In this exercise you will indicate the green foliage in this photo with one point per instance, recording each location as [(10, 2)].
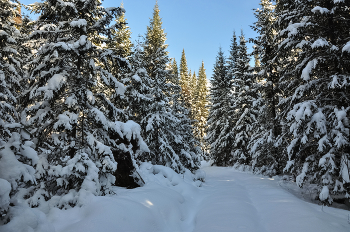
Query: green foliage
[(201, 101), (120, 41)]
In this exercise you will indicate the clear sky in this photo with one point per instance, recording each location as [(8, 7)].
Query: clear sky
[(198, 26)]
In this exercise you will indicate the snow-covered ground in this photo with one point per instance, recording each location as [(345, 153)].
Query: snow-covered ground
[(229, 200)]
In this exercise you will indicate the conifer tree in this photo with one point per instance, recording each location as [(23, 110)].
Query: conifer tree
[(17, 157), (120, 40), (161, 124), (201, 101), (175, 72), (68, 108), (138, 86), (193, 85), (232, 60), (244, 115), (217, 119), (315, 105), (185, 79), (226, 137), (266, 157)]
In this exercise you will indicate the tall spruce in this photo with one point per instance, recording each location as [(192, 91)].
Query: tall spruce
[(68, 109), (218, 119), (175, 72), (17, 156), (185, 79), (244, 115), (120, 40), (266, 157), (316, 101), (161, 125), (200, 107)]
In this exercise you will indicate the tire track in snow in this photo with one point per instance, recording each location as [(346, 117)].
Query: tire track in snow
[(237, 201), (226, 205)]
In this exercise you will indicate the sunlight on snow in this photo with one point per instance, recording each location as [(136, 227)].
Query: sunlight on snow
[(148, 203)]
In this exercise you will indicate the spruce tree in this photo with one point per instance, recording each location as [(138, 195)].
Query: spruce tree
[(138, 86), (175, 72), (185, 79), (315, 82), (120, 40), (17, 157), (244, 115), (266, 157), (161, 123), (232, 60), (193, 85), (201, 101), (68, 106), (217, 120)]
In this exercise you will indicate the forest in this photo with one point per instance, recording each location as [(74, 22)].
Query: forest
[(84, 110)]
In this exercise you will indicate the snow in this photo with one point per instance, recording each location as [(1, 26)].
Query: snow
[(346, 48), (78, 23), (320, 9), (25, 219), (136, 78), (324, 194), (11, 169), (321, 42), (53, 83), (5, 188), (228, 200), (345, 172)]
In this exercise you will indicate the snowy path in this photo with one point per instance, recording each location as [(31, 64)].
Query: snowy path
[(229, 200), (236, 201)]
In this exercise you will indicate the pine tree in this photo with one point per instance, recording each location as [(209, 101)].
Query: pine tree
[(185, 79), (244, 115), (175, 73), (315, 103), (266, 157), (201, 101), (217, 120), (138, 87), (120, 40), (226, 136), (193, 85), (17, 157), (68, 108), (161, 123), (232, 60)]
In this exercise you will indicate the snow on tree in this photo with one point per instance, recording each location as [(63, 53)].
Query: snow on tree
[(200, 108), (185, 81), (244, 115), (138, 86), (17, 156), (175, 72), (316, 100), (120, 40), (69, 111), (162, 127), (266, 157), (218, 119)]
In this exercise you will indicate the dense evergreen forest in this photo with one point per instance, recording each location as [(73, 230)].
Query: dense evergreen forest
[(82, 106)]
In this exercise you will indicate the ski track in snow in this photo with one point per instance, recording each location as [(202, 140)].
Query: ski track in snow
[(228, 201), (238, 201)]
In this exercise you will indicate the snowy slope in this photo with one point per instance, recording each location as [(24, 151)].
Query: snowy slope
[(229, 200)]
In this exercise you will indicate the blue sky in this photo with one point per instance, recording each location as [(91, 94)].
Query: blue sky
[(198, 26)]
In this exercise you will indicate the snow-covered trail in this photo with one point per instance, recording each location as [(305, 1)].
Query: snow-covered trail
[(229, 200), (236, 201)]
